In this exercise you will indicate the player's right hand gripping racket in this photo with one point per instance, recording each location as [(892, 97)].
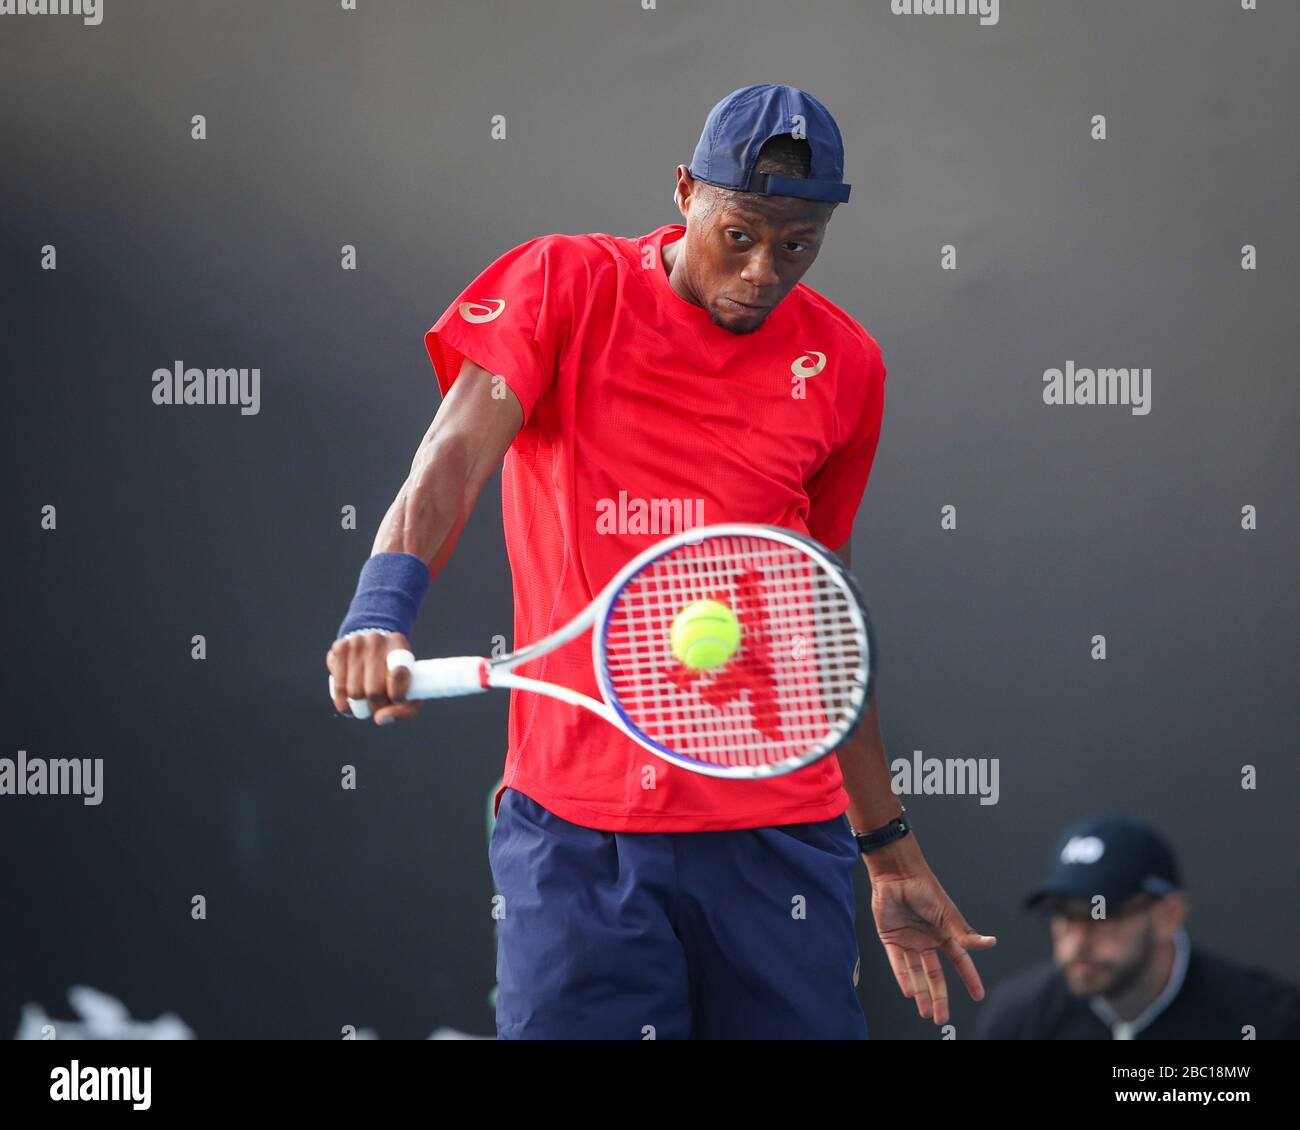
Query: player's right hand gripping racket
[(793, 689)]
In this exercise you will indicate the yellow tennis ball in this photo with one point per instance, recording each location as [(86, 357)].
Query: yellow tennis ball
[(705, 634)]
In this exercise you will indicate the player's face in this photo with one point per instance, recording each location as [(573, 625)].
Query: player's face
[(1105, 956), (746, 255)]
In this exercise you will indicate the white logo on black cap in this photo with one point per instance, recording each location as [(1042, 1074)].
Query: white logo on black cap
[(1083, 849)]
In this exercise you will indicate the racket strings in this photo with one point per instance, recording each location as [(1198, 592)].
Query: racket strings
[(791, 690)]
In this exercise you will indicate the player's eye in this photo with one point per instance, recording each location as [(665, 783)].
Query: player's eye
[(739, 234), (797, 246)]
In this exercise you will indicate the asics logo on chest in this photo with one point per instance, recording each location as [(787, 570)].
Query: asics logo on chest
[(808, 364)]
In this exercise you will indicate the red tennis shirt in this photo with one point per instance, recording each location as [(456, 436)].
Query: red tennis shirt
[(642, 418)]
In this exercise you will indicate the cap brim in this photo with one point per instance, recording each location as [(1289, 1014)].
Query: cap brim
[(1035, 899), (1048, 892)]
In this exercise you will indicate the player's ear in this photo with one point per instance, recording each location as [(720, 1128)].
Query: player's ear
[(687, 191), (678, 199), (1174, 909)]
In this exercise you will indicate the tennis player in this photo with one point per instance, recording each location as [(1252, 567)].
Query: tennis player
[(633, 386)]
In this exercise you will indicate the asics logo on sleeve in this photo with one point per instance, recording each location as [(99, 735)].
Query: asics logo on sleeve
[(800, 367), (482, 311)]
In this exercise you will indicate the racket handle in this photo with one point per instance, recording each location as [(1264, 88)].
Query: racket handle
[(448, 678), (431, 678)]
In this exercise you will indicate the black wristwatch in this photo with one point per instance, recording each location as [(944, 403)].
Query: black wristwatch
[(896, 829)]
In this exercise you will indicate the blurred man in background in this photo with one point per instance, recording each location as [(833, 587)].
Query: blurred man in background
[(1123, 967)]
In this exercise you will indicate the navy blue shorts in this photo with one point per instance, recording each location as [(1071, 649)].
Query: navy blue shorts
[(686, 935)]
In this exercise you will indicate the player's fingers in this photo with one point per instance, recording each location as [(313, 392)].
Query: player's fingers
[(347, 684), (375, 665), (937, 985), (920, 988), (970, 938), (399, 660), (965, 966), (399, 712), (339, 678), (898, 963), (339, 697)]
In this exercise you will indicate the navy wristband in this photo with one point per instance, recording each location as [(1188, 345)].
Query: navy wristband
[(388, 596)]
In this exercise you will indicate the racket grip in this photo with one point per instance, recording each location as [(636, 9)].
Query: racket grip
[(448, 678)]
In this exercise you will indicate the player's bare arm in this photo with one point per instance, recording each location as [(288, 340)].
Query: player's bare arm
[(914, 916), (464, 445)]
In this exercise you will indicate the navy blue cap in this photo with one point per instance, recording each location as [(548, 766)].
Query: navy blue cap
[(739, 125), (1114, 856)]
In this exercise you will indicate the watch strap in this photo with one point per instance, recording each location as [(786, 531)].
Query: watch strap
[(896, 829)]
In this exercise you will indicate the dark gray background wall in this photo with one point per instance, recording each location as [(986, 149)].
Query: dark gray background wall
[(329, 127)]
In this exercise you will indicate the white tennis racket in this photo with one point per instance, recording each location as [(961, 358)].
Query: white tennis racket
[(792, 691)]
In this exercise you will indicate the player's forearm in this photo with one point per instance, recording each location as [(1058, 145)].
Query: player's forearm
[(872, 802), (435, 502)]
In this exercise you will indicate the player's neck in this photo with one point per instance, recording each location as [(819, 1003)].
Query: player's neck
[(671, 254)]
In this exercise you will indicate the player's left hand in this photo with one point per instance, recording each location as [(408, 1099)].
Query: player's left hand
[(916, 919)]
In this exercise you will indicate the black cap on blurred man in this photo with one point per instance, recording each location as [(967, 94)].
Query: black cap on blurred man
[(1122, 965)]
